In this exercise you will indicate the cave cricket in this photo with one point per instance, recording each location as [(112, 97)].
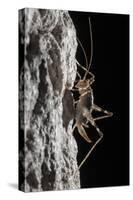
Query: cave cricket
[(85, 105)]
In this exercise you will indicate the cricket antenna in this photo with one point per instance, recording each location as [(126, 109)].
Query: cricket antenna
[(86, 60), (91, 55)]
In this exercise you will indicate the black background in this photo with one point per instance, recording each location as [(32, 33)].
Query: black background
[(108, 165)]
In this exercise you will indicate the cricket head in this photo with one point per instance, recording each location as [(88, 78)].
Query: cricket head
[(83, 84)]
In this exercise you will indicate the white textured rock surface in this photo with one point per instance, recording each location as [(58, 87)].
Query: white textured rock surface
[(47, 147)]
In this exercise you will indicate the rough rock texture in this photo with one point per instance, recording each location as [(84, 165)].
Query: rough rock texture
[(47, 148)]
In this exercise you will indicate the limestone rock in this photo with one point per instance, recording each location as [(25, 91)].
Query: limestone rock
[(47, 70)]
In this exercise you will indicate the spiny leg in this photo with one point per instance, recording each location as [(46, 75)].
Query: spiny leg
[(83, 133), (95, 144), (97, 108)]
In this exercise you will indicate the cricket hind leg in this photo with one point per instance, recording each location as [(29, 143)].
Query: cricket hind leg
[(99, 109), (95, 144), (83, 133)]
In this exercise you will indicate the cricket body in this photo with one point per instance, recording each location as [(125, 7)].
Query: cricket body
[(85, 105)]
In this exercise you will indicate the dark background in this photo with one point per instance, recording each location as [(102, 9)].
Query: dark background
[(108, 165)]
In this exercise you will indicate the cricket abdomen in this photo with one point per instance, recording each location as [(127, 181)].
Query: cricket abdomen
[(84, 105)]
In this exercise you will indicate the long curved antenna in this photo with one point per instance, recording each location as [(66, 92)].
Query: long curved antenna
[(91, 56), (86, 60)]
